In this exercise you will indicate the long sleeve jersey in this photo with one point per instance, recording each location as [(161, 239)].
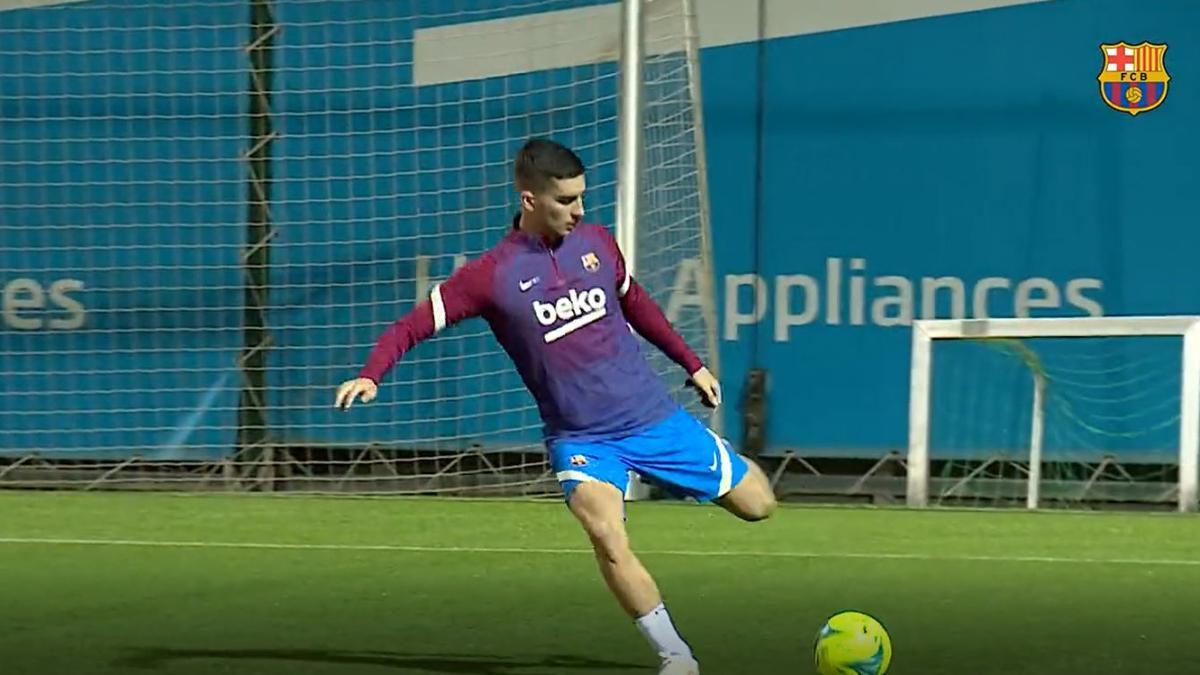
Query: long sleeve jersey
[(563, 313)]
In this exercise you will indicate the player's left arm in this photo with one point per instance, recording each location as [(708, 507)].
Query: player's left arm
[(647, 318)]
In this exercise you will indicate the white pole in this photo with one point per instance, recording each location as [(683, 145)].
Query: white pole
[(629, 151), (1036, 433), (1189, 420), (918, 416), (691, 52), (629, 159)]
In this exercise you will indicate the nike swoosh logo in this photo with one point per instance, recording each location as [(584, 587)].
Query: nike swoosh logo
[(714, 464), (527, 284)]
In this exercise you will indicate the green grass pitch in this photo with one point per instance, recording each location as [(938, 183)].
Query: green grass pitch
[(105, 583)]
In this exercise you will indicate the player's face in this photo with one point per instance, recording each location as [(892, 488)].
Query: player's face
[(560, 206)]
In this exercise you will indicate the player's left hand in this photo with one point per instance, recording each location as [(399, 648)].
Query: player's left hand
[(707, 386)]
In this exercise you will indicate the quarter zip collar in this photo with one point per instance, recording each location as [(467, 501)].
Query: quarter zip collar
[(532, 241)]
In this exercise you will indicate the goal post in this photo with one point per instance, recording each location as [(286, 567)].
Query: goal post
[(925, 333)]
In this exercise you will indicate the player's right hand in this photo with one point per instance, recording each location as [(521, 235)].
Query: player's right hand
[(359, 387)]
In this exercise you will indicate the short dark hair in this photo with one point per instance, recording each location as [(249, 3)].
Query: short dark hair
[(541, 160)]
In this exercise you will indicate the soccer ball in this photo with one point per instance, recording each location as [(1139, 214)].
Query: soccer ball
[(853, 643)]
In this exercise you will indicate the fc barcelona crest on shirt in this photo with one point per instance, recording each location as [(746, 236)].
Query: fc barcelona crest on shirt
[(1133, 78), (590, 262)]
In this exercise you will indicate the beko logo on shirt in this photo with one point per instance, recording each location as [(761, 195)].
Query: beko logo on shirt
[(577, 308)]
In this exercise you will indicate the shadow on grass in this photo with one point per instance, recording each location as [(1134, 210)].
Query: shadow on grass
[(482, 664)]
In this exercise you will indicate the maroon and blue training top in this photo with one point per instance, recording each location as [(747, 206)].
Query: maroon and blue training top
[(563, 313)]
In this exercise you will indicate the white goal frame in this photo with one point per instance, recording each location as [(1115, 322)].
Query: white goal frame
[(925, 331)]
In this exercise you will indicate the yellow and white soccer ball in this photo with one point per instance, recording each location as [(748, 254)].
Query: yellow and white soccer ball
[(853, 643)]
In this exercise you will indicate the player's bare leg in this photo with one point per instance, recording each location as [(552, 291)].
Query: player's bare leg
[(752, 499), (600, 508)]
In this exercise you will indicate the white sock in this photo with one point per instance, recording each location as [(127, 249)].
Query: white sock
[(661, 633)]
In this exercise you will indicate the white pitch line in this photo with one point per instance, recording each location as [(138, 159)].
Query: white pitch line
[(815, 555)]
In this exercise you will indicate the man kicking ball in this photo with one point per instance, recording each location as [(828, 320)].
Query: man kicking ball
[(555, 293)]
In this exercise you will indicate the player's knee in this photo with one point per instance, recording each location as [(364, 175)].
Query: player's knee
[(750, 505), (755, 499), (609, 540), (760, 508), (599, 508)]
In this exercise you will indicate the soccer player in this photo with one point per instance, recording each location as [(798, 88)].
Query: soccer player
[(555, 293)]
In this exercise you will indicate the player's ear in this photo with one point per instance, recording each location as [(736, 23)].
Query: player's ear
[(528, 200)]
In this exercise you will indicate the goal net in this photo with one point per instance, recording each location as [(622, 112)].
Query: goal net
[(209, 211), (1055, 412)]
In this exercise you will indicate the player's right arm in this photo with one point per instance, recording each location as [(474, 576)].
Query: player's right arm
[(465, 294)]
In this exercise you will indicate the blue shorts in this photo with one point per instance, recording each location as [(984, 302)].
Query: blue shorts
[(679, 454)]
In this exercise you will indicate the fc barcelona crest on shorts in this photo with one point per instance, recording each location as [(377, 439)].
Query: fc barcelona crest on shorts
[(578, 460), (1133, 78), (590, 262)]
